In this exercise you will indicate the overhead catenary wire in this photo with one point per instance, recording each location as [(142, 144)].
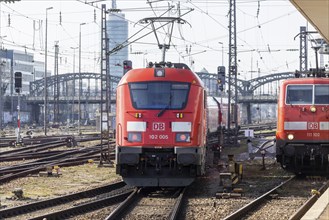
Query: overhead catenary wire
[(177, 38)]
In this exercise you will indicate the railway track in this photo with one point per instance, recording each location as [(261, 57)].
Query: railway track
[(289, 200), (165, 203), (27, 141), (67, 158), (257, 127), (260, 130), (70, 205), (7, 155)]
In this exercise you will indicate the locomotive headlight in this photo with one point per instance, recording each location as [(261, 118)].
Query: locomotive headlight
[(134, 137), (159, 72), (313, 109), (290, 136), (183, 137)]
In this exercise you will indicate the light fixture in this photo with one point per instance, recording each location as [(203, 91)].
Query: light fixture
[(313, 109), (290, 136), (159, 72)]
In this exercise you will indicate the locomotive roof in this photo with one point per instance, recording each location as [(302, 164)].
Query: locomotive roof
[(310, 80), (171, 74)]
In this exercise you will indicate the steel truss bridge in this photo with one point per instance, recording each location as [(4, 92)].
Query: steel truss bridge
[(66, 93), (91, 87)]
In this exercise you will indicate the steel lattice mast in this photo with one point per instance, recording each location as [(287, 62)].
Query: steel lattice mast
[(105, 109), (232, 71)]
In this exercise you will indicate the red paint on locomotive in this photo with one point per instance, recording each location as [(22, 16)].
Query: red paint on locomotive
[(302, 137), (160, 127)]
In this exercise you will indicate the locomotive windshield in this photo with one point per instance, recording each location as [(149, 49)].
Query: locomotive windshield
[(321, 94), (307, 94), (159, 95)]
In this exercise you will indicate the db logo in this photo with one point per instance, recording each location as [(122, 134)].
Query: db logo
[(313, 125), (158, 126)]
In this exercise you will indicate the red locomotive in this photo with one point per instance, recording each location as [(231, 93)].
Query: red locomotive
[(302, 137), (160, 126)]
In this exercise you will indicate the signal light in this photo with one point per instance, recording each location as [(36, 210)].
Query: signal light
[(18, 81), (221, 77), (179, 115), (127, 65)]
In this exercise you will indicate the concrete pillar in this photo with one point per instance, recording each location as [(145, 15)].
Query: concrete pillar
[(246, 116)]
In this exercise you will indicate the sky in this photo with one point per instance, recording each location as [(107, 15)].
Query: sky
[(267, 30)]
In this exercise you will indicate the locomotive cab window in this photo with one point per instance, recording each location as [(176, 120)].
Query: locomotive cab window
[(159, 95), (299, 94), (321, 94)]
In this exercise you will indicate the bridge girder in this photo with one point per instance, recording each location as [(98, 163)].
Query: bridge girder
[(37, 87), (248, 87), (245, 87)]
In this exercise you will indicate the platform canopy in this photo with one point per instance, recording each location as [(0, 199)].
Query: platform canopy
[(317, 13)]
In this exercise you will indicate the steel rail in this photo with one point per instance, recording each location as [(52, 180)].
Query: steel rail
[(178, 204), (62, 163), (34, 148), (255, 203), (49, 159), (309, 203), (23, 209), (124, 205), (30, 156)]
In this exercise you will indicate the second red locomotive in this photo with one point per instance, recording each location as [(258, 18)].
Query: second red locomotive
[(302, 138)]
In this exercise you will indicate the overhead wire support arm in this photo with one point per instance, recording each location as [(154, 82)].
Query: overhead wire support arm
[(167, 20), (127, 42)]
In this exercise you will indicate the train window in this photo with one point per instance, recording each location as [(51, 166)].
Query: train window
[(138, 86), (159, 95), (299, 94), (321, 94)]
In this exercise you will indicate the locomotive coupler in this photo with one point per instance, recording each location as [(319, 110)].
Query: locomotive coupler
[(158, 165), (312, 154)]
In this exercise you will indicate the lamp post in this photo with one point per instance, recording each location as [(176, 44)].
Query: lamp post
[(2, 93), (45, 75), (79, 92), (74, 48), (73, 92), (222, 52)]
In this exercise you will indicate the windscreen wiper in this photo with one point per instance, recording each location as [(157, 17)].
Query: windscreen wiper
[(165, 108)]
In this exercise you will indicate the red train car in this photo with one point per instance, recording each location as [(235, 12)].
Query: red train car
[(160, 126), (302, 137)]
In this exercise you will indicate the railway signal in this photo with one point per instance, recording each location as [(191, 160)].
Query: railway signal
[(18, 87), (221, 77), (18, 81), (127, 65)]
